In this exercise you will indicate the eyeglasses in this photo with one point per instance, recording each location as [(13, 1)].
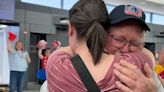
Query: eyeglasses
[(119, 42)]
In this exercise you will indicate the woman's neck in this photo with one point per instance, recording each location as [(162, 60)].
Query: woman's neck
[(82, 49), (19, 50)]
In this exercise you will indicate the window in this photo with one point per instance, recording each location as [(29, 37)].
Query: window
[(148, 16), (69, 3), (49, 3), (110, 8), (158, 19)]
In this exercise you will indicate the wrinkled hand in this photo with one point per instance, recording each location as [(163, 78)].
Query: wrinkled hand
[(132, 79)]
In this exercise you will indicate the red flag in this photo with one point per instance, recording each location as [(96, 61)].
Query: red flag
[(12, 36), (56, 43)]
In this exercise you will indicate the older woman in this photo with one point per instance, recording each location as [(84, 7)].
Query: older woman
[(19, 60)]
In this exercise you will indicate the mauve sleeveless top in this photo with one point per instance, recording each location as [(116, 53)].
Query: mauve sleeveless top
[(62, 77)]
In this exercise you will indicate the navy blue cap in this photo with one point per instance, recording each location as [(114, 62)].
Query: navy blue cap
[(125, 12)]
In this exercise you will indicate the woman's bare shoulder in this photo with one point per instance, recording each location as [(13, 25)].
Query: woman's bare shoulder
[(66, 49)]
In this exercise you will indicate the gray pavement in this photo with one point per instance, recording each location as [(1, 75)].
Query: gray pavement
[(33, 87)]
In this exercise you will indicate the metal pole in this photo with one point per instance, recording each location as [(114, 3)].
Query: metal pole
[(62, 2)]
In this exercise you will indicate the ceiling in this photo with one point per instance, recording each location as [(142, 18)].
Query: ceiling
[(155, 6), (157, 1)]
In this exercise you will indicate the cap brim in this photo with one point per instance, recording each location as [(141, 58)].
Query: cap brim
[(117, 20)]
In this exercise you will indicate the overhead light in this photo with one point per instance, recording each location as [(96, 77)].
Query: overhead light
[(2, 28), (162, 32), (64, 21)]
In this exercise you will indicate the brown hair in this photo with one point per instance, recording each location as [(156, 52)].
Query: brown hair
[(44, 51), (89, 18)]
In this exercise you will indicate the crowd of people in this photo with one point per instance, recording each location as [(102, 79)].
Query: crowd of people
[(110, 47)]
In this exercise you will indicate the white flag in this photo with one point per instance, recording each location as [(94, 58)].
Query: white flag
[(4, 60)]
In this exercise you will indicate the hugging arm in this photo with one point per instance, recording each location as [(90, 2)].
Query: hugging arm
[(132, 79), (135, 73)]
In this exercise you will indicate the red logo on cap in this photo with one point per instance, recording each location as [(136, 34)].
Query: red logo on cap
[(132, 10)]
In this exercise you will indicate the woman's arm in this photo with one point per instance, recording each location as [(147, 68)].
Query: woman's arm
[(9, 47), (136, 74), (40, 53), (28, 59), (136, 83)]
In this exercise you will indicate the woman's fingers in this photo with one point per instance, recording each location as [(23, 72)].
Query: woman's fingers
[(122, 87), (125, 79), (133, 74), (148, 70)]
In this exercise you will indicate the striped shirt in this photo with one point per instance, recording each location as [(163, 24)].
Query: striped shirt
[(62, 77)]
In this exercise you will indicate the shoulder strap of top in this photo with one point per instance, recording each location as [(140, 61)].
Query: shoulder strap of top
[(84, 74)]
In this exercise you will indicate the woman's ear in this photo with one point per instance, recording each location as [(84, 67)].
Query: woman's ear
[(71, 29)]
